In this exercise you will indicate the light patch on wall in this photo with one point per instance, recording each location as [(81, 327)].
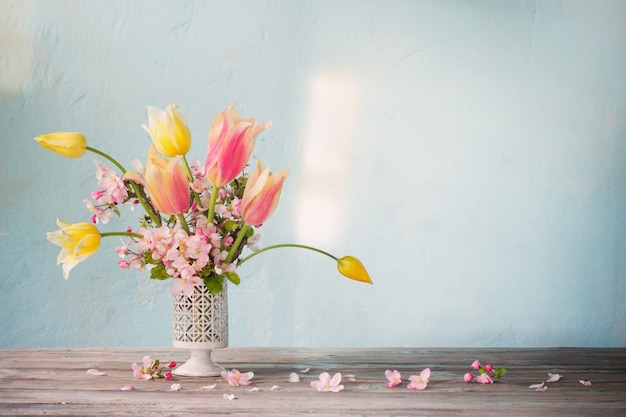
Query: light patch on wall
[(326, 163), (16, 59)]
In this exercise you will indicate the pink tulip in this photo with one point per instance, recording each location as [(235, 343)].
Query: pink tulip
[(231, 140), (262, 193), (167, 183)]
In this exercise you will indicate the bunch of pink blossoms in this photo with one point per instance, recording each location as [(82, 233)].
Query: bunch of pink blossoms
[(112, 191), (169, 251), (486, 373)]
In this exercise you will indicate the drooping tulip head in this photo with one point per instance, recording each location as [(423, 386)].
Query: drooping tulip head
[(68, 144), (169, 131), (231, 140), (262, 193), (78, 242), (167, 183), (351, 267)]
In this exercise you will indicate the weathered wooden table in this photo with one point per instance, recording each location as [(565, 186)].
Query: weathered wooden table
[(55, 382)]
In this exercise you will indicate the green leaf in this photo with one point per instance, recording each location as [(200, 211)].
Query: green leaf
[(159, 272), (231, 225), (250, 232), (233, 277), (500, 372), (214, 284)]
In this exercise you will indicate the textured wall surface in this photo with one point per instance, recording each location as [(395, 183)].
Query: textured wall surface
[(471, 153)]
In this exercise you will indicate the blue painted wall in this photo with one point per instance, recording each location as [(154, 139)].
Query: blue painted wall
[(471, 153)]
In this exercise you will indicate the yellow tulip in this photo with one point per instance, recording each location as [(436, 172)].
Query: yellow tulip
[(169, 131), (68, 144), (352, 268), (78, 242)]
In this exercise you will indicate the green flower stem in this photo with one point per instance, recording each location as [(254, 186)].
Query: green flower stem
[(286, 245), (242, 233), (102, 154), (147, 207), (196, 196), (214, 192), (183, 222), (129, 234)]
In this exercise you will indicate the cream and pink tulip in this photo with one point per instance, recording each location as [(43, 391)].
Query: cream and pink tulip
[(231, 140), (167, 183), (262, 193)]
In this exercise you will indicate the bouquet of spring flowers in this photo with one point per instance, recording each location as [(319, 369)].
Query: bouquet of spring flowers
[(197, 218)]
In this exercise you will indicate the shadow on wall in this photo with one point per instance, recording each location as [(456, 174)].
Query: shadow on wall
[(328, 139)]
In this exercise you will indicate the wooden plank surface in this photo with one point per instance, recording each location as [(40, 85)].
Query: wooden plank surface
[(54, 382)]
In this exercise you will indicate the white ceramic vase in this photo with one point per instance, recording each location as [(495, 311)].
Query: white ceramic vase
[(200, 324)]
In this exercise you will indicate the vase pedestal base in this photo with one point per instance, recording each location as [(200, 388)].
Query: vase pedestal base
[(200, 363)]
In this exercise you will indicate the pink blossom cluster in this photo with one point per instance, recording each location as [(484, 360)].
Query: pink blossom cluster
[(169, 251), (151, 369), (416, 382), (485, 375), (112, 191)]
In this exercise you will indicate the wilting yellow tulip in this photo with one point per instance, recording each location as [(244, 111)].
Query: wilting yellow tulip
[(169, 131), (78, 242), (68, 144), (352, 268)]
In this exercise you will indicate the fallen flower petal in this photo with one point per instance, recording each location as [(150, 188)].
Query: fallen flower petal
[(419, 382), (212, 386), (553, 377), (175, 387), (393, 378), (95, 372), (542, 389), (229, 397), (536, 386), (127, 388), (255, 389), (585, 382), (293, 377), (236, 378), (350, 377), (275, 388), (305, 370), (327, 384), (484, 379)]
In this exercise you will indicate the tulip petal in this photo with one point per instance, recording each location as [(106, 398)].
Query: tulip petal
[(352, 268)]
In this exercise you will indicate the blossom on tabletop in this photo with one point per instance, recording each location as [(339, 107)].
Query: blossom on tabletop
[(236, 378), (393, 378), (419, 382), (486, 374), (151, 369), (198, 217), (327, 384)]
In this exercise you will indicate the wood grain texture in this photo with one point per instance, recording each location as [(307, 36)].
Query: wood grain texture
[(54, 382)]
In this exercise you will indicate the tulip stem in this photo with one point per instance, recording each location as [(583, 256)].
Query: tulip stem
[(196, 196), (102, 154), (242, 233), (286, 245), (129, 234), (183, 222), (148, 208), (214, 192)]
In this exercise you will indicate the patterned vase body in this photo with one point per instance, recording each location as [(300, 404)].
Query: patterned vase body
[(200, 324)]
